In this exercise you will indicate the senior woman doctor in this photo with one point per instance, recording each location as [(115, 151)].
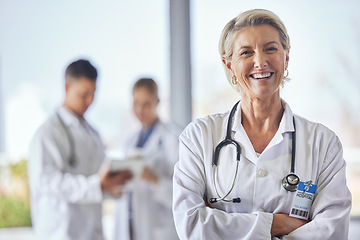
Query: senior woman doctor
[(247, 199)]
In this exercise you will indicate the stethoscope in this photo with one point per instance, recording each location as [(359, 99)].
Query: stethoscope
[(72, 159), (290, 182)]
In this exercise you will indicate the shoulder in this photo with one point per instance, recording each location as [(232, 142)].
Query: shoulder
[(49, 132), (319, 135), (93, 129), (317, 129), (168, 130), (201, 135), (207, 127), (49, 127)]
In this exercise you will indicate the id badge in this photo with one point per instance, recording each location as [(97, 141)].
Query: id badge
[(303, 200)]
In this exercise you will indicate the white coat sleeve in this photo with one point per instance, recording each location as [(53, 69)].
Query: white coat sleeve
[(48, 178), (193, 220), (330, 212), (163, 189)]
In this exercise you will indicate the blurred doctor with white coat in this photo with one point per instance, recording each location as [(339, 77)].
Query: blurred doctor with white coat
[(145, 211), (65, 158)]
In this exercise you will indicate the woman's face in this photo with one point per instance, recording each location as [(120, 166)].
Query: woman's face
[(145, 104), (258, 61)]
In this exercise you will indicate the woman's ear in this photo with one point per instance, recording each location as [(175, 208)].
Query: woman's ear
[(223, 60), (286, 59), (226, 63)]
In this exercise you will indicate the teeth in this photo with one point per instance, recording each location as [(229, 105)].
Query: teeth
[(261, 75)]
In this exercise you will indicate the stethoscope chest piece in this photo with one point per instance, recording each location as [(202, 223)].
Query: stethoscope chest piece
[(290, 182)]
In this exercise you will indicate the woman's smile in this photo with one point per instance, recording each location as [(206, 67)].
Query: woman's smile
[(261, 75)]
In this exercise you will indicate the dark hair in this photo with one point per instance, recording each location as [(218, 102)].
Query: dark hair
[(149, 84), (81, 68)]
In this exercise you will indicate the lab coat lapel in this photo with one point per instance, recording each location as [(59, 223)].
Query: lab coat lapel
[(239, 134), (247, 149), (152, 142), (241, 137), (151, 149), (85, 138), (286, 126)]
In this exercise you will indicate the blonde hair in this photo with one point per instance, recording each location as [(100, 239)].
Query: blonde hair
[(253, 17)]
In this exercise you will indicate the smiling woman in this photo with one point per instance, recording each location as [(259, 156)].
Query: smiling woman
[(257, 66), (254, 48)]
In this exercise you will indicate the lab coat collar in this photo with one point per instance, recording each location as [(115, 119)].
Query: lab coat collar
[(239, 134), (69, 118), (286, 123)]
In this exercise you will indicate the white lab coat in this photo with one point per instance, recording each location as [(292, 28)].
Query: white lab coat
[(319, 158), (151, 203), (66, 200)]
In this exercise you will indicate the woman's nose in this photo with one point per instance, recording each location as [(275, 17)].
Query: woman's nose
[(260, 61)]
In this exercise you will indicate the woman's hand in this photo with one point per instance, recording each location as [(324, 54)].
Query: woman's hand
[(283, 224), (149, 175), (109, 181)]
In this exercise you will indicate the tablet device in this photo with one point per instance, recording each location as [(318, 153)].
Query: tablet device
[(135, 165)]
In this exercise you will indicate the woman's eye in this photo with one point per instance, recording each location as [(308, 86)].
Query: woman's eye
[(271, 49), (244, 53)]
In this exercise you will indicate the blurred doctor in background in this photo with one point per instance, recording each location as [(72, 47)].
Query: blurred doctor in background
[(65, 157), (145, 211)]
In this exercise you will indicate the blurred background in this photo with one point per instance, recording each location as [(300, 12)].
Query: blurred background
[(130, 39)]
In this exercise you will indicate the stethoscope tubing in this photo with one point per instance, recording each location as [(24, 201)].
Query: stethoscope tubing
[(289, 186), (72, 158), (215, 175)]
